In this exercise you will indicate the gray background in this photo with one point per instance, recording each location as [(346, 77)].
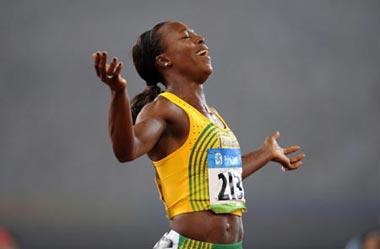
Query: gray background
[(307, 68)]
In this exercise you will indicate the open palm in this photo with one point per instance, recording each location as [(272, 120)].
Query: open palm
[(109, 73), (280, 155)]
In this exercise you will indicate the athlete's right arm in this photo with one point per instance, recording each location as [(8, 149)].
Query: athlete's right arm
[(128, 141)]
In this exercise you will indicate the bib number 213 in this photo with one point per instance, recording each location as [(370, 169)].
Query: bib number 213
[(232, 188), (225, 182)]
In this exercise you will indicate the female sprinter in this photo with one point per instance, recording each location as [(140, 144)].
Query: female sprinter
[(199, 168)]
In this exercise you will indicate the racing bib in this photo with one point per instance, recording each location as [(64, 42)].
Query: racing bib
[(225, 182)]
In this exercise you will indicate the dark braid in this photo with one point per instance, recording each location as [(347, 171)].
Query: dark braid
[(144, 52)]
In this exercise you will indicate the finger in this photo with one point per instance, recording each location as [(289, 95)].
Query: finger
[(111, 69), (96, 63), (288, 165), (296, 165), (284, 169), (118, 69), (285, 162), (291, 149), (297, 158), (102, 65), (275, 135)]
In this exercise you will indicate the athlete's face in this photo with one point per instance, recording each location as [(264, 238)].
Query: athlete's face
[(185, 51)]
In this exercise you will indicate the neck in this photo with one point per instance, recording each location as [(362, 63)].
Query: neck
[(190, 91)]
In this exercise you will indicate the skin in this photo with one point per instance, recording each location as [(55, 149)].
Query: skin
[(162, 127), (372, 241)]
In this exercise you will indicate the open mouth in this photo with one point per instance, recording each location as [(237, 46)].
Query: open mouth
[(203, 52)]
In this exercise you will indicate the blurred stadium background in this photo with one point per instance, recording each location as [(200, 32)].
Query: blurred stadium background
[(307, 68)]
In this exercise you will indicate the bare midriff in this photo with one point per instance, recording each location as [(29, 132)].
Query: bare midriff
[(209, 227)]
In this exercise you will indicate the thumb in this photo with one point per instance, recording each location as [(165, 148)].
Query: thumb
[(276, 135)]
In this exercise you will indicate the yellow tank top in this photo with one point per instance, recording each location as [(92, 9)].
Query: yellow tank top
[(205, 172)]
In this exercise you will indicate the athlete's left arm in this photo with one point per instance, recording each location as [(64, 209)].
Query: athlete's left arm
[(271, 151)]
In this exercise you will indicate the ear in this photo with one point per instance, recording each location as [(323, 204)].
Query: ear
[(163, 61)]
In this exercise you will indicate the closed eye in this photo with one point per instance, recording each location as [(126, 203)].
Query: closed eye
[(187, 35)]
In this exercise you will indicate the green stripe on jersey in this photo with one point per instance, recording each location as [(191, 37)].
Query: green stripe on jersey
[(208, 131)]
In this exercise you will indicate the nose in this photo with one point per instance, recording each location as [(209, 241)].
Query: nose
[(201, 39)]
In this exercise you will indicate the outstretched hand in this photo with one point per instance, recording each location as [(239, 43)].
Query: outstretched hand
[(280, 155), (109, 73)]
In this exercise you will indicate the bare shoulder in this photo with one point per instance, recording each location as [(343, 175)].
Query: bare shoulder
[(173, 123), (161, 109)]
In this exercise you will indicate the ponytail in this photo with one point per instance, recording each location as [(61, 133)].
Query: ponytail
[(143, 98), (145, 51)]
